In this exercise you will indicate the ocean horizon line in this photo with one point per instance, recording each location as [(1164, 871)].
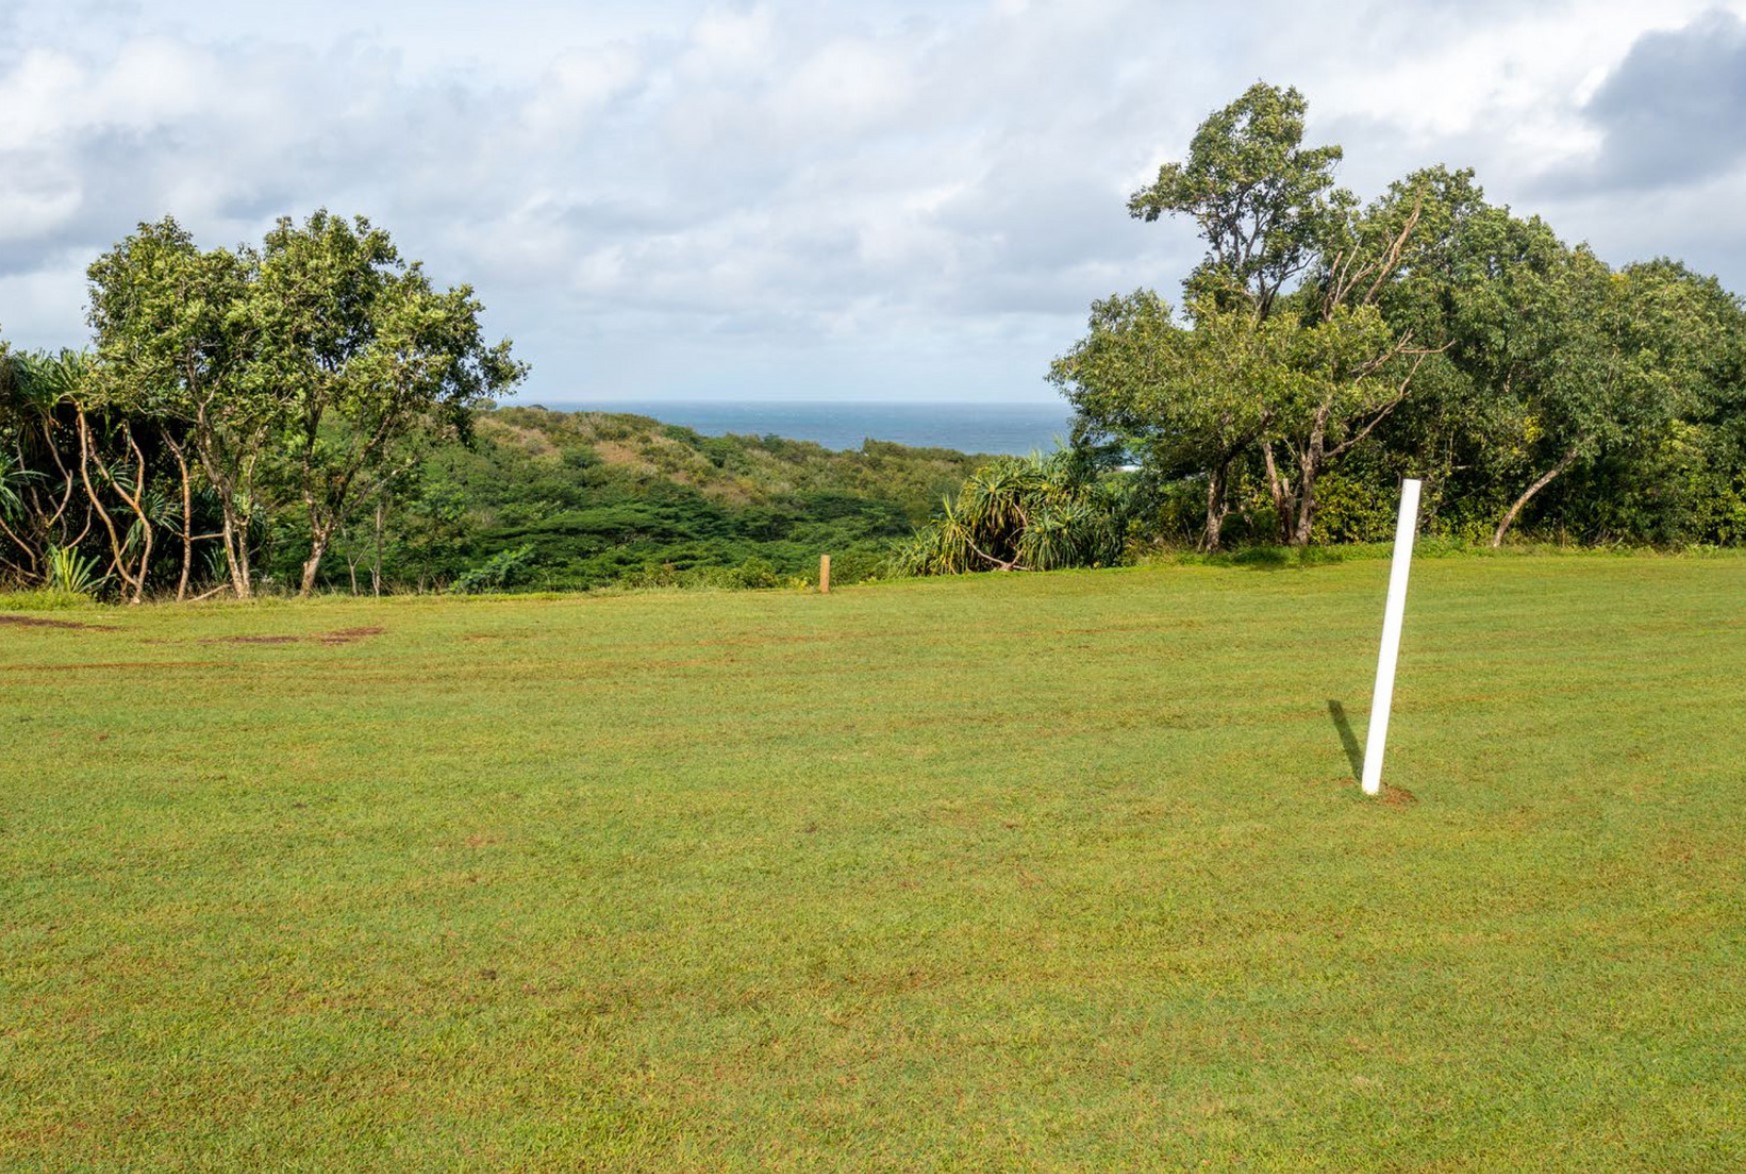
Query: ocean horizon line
[(971, 426)]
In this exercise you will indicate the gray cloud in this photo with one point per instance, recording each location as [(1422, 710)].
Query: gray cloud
[(1675, 108)]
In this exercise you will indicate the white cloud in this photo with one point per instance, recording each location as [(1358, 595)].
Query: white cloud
[(670, 197), (576, 86)]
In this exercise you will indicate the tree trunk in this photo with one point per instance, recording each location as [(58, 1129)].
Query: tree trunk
[(376, 566), (30, 571), (1545, 479), (236, 551), (1282, 498), (138, 504), (235, 531), (187, 518), (1306, 496), (1306, 511), (318, 539), (1310, 463), (117, 556), (1216, 507)]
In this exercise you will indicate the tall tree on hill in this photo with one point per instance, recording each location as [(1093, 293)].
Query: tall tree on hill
[(359, 351), (1353, 364)]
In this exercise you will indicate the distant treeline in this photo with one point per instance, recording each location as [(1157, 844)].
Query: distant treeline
[(312, 414)]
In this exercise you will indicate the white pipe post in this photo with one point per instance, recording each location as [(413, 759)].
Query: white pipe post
[(1376, 737)]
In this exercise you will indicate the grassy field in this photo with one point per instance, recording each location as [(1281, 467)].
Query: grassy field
[(1065, 871)]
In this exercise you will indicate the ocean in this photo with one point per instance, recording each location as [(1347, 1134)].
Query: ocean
[(1016, 428)]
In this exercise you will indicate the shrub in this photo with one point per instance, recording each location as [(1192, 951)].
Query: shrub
[(503, 569)]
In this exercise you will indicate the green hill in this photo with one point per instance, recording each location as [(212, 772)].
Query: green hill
[(565, 500)]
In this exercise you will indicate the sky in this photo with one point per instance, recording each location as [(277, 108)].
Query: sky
[(879, 200)]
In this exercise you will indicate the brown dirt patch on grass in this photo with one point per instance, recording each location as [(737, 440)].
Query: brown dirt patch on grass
[(340, 636), (39, 622), (350, 635), (107, 665)]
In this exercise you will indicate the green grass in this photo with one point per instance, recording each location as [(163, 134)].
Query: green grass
[(1065, 871)]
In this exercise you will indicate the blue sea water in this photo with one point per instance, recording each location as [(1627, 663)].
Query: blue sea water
[(968, 427)]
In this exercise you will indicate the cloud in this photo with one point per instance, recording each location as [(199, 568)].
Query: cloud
[(779, 198), (1675, 108)]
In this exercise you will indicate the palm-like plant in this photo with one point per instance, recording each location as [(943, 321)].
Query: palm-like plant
[(12, 478), (71, 573), (1021, 514)]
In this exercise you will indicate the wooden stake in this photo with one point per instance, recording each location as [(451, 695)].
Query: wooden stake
[(824, 574)]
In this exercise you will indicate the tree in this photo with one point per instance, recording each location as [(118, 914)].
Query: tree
[(1577, 359), (1341, 377), (1623, 360), (1286, 351), (172, 343), (1184, 401), (308, 366), (359, 351), (1264, 202), (46, 510)]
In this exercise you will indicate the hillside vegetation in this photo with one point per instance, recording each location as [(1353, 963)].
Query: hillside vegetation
[(577, 500), (1058, 871)]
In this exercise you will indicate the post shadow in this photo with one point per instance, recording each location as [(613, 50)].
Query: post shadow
[(1347, 738)]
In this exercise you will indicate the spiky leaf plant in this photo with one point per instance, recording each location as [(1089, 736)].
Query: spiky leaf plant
[(1030, 513)]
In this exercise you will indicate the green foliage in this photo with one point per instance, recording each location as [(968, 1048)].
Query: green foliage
[(311, 374), (42, 599), (1328, 350), (172, 347), (606, 499), (70, 573), (246, 412), (506, 568), (1024, 514), (1264, 203), (13, 477), (359, 354), (1355, 509)]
